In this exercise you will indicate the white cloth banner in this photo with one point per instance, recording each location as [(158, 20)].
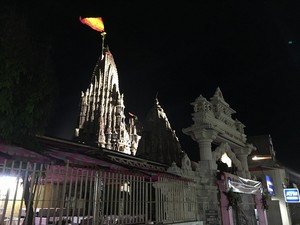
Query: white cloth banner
[(243, 185)]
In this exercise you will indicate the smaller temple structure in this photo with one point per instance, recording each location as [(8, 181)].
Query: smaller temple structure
[(159, 141), (102, 118)]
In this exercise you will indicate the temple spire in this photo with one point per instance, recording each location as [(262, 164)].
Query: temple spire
[(159, 141), (102, 118)]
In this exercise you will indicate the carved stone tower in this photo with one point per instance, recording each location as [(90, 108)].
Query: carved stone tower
[(159, 142), (102, 117)]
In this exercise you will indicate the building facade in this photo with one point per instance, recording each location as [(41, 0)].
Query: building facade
[(275, 178)]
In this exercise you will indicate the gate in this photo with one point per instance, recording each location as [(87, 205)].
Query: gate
[(43, 194)]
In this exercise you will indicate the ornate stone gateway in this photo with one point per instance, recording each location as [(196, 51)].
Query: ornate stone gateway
[(223, 147)]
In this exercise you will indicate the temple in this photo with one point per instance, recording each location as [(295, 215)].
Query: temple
[(91, 181), (159, 142), (102, 118)]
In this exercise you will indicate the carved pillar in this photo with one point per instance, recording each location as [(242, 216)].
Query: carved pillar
[(205, 149), (204, 139), (242, 155)]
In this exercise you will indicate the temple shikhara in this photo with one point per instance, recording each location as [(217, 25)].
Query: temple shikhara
[(102, 118), (114, 173)]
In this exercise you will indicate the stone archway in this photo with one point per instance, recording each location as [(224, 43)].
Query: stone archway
[(225, 148)]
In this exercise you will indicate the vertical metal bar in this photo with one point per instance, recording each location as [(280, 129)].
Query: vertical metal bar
[(159, 200), (111, 202), (107, 196), (95, 205), (56, 197), (118, 210), (80, 193), (16, 191), (133, 202), (126, 197), (119, 198), (131, 199), (150, 193), (143, 200), (196, 202), (66, 170), (30, 195), (35, 197), (172, 188), (85, 192), (90, 194), (139, 191), (119, 202), (156, 205), (174, 199), (100, 199), (136, 205), (44, 194), (52, 192), (162, 202), (163, 191), (75, 197), (146, 199), (179, 207), (140, 199), (115, 186), (134, 191), (182, 199), (103, 176), (69, 193)]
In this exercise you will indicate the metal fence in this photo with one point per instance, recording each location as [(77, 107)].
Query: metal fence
[(42, 194)]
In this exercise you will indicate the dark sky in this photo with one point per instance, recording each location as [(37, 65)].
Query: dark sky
[(250, 49)]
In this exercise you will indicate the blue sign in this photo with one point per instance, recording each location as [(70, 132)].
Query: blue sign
[(270, 185), (291, 195)]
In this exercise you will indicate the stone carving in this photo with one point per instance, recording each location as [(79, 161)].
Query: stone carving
[(102, 118), (186, 163)]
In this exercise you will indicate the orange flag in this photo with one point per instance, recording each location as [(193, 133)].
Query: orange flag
[(95, 23)]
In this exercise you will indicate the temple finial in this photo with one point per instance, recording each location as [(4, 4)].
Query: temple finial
[(156, 98), (103, 34)]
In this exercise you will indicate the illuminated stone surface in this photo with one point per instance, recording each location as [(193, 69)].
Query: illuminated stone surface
[(102, 118)]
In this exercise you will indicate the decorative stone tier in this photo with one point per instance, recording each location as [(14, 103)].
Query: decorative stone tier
[(102, 117)]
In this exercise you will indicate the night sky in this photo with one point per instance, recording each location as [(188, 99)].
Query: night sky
[(250, 49)]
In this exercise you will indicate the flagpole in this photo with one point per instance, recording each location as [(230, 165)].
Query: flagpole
[(103, 34)]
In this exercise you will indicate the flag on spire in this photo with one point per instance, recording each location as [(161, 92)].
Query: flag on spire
[(95, 23)]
